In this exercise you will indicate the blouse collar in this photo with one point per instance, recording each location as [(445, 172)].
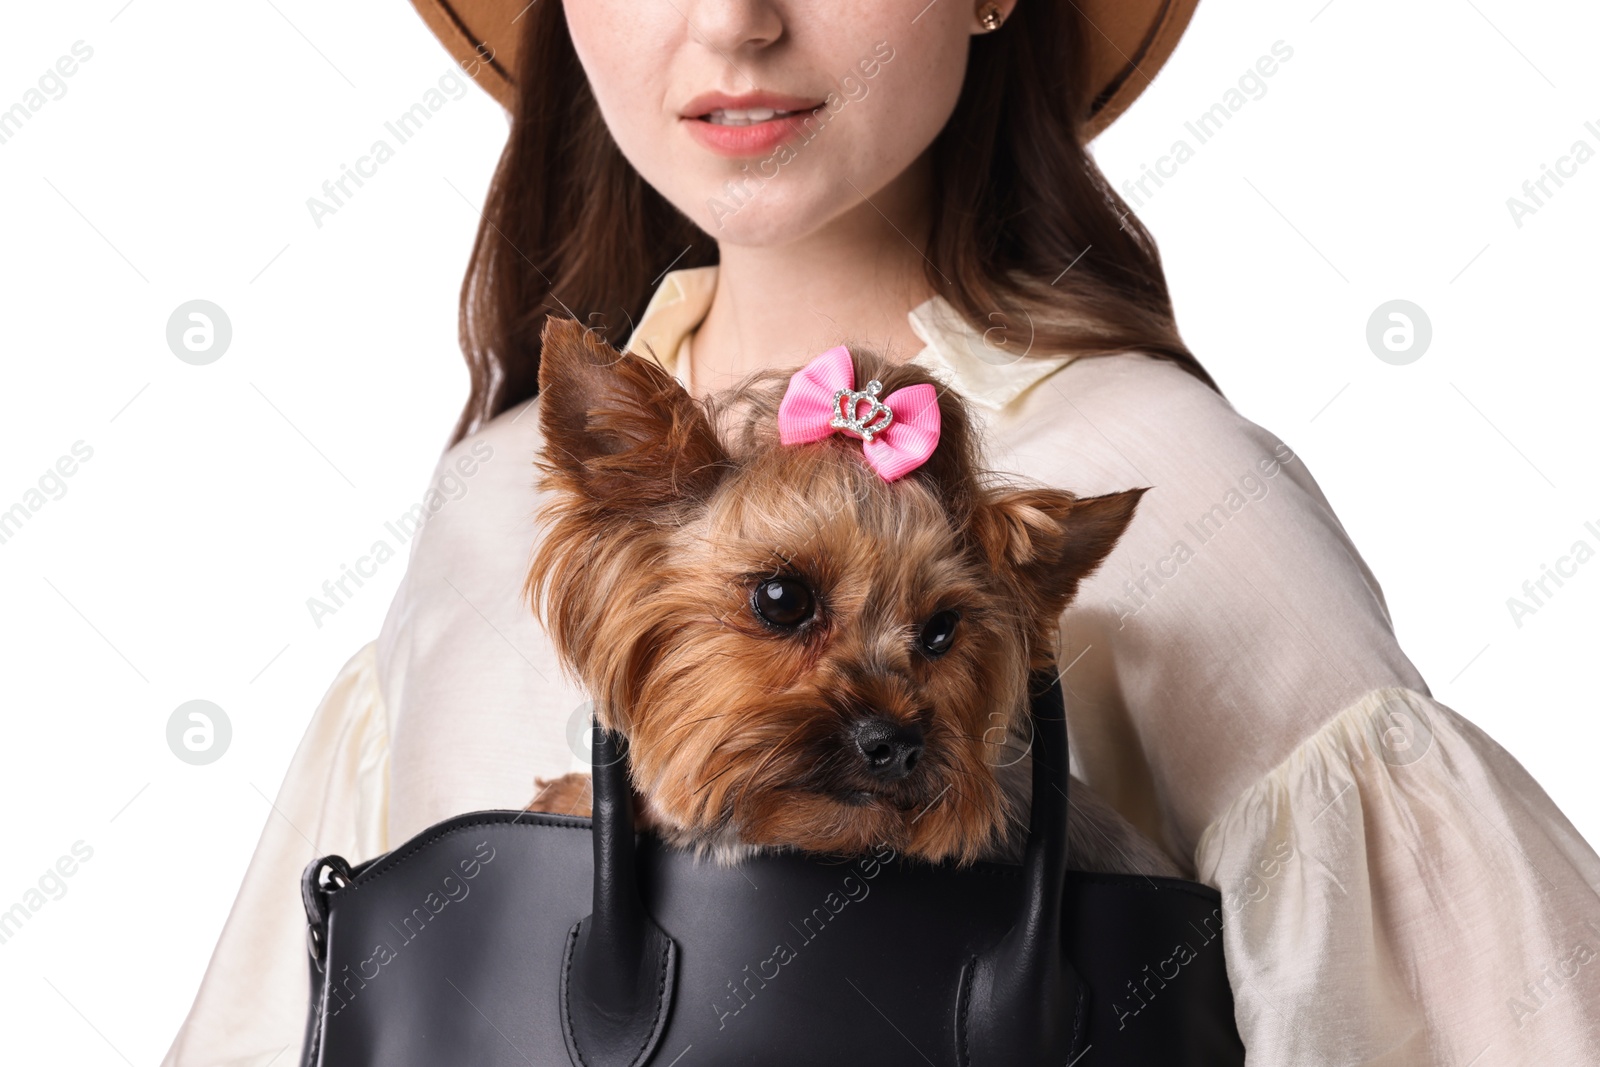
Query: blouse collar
[(984, 373)]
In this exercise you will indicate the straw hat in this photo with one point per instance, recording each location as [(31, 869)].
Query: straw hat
[(1128, 42)]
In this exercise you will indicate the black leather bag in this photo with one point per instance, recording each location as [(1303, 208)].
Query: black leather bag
[(509, 939)]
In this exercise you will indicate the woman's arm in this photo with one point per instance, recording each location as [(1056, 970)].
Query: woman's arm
[(446, 712), (251, 1006), (1397, 888)]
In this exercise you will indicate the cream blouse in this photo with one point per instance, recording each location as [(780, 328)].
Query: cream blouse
[(1397, 889)]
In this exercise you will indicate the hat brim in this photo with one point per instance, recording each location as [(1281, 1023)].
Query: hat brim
[(1129, 41)]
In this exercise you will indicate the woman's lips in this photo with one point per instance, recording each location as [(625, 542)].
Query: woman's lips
[(748, 124), (749, 140)]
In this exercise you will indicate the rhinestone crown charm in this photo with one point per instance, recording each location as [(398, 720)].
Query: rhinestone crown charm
[(847, 407)]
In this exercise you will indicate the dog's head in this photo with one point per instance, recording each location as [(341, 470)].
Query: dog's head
[(798, 652)]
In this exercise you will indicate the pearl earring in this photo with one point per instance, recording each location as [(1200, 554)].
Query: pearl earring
[(990, 17)]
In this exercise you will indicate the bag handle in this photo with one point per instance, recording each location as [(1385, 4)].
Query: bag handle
[(617, 979), (618, 974), (1010, 1006)]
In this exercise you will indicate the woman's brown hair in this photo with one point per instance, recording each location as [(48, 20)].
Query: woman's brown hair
[(570, 227)]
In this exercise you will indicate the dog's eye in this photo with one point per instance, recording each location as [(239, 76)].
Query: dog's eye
[(939, 633), (783, 602)]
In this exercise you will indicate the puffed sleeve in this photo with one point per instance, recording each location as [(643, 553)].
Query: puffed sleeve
[(1397, 889), (251, 1007)]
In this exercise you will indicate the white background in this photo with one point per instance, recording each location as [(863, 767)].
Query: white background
[(176, 566)]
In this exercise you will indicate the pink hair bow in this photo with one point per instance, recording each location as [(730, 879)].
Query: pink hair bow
[(898, 433)]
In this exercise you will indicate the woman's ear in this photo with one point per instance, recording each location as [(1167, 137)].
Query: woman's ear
[(1047, 541), (618, 430)]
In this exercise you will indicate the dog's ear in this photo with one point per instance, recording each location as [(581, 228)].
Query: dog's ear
[(621, 430), (1049, 540)]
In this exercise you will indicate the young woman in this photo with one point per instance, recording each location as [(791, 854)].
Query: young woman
[(724, 185)]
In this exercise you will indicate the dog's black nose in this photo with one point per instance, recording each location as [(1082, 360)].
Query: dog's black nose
[(890, 750)]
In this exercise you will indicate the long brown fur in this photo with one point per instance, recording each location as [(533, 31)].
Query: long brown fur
[(664, 513)]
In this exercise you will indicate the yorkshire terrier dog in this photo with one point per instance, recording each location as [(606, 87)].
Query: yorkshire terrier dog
[(807, 608)]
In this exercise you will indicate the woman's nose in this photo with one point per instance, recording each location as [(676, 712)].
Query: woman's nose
[(729, 27)]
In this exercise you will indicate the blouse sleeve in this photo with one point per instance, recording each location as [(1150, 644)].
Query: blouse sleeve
[(1397, 889), (251, 1008), (1401, 891)]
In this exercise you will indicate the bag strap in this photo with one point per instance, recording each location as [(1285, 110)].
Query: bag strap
[(321, 878), (618, 974)]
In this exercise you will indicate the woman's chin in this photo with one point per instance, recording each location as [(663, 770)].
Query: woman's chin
[(780, 212)]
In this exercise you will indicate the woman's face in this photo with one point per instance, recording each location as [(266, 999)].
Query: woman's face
[(764, 120)]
